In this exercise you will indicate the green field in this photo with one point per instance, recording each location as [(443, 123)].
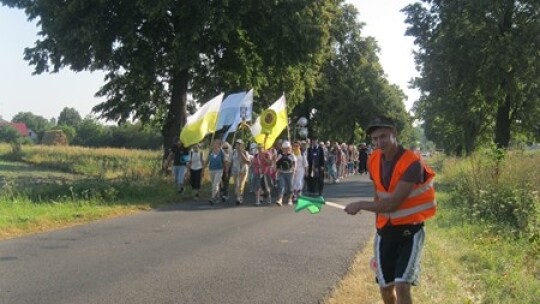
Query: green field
[(45, 188)]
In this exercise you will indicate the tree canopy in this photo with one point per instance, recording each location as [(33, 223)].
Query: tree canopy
[(353, 88), (69, 117), (479, 62), (8, 134), (156, 51)]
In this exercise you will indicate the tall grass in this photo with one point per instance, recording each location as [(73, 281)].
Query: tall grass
[(500, 191), (94, 162), (100, 183)]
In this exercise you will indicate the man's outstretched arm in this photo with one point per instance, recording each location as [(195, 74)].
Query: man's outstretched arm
[(389, 204)]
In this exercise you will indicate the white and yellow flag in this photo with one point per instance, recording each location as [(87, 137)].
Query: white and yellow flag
[(202, 122), (281, 123)]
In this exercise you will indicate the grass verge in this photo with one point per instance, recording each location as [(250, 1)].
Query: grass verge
[(22, 217)]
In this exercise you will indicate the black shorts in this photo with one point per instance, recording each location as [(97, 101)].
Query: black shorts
[(397, 253)]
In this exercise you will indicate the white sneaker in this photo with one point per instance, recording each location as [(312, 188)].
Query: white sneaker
[(289, 203), (278, 202)]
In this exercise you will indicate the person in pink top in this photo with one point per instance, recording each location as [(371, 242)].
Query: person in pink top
[(261, 165)]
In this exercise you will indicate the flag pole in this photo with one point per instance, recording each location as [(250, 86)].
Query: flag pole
[(334, 205), (288, 130), (287, 113), (234, 135)]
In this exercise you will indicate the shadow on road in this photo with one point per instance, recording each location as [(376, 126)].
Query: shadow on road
[(348, 190)]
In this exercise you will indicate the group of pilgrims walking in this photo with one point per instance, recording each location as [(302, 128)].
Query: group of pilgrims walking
[(278, 175)]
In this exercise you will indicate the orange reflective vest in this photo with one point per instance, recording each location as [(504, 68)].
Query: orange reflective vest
[(419, 206)]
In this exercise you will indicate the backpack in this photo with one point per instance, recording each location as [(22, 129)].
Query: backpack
[(191, 156), (284, 163)]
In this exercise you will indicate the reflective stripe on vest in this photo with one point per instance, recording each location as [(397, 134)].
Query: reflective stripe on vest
[(410, 211), (415, 192)]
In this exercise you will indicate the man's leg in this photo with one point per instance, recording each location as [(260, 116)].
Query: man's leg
[(242, 177), (312, 187), (408, 266), (281, 189), (388, 295), (289, 181), (403, 293), (236, 179), (321, 184), (267, 186)]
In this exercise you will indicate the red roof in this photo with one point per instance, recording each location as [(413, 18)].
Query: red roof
[(19, 126)]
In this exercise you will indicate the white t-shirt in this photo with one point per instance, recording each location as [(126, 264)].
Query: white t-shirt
[(196, 160)]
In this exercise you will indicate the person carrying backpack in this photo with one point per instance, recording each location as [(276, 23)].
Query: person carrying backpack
[(285, 165)]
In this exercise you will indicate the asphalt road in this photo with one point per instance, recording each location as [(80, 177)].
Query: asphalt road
[(191, 253)]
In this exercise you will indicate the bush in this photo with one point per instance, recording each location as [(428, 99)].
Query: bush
[(8, 134), (500, 190)]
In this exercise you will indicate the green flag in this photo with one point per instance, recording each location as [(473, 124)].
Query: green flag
[(314, 204)]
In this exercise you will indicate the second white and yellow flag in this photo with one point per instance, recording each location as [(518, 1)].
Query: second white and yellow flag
[(281, 123)]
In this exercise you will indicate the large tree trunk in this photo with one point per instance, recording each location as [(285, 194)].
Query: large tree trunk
[(470, 135), (177, 112), (502, 123)]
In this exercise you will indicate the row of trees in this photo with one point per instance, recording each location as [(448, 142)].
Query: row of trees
[(87, 131), (155, 53), (479, 62)]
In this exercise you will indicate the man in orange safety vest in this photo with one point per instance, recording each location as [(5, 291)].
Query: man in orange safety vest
[(404, 198)]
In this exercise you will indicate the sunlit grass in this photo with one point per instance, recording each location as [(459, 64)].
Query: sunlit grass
[(95, 162), (22, 216), (51, 187)]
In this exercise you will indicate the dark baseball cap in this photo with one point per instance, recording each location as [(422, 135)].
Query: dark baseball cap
[(380, 122)]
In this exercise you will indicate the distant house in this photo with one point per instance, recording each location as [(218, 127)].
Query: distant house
[(19, 126), (32, 135)]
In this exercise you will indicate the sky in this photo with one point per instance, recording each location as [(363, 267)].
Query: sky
[(47, 94)]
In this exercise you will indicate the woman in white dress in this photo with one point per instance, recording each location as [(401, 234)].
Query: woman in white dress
[(300, 170)]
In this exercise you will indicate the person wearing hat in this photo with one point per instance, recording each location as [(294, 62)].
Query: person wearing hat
[(285, 169), (404, 199), (226, 176), (240, 166)]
